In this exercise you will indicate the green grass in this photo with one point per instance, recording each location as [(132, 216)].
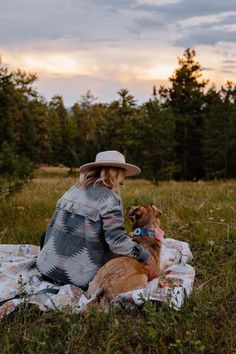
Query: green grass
[(201, 213)]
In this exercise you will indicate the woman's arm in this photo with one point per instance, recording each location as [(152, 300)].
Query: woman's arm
[(115, 236)]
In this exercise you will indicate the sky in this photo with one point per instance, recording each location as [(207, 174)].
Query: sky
[(107, 45)]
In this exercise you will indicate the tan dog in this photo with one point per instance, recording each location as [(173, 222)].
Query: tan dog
[(124, 274)]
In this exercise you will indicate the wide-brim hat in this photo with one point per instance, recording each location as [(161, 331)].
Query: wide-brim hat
[(111, 158)]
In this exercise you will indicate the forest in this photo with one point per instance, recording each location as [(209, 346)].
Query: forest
[(185, 131)]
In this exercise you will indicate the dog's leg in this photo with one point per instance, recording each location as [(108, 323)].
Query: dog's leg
[(137, 281), (95, 301), (95, 286)]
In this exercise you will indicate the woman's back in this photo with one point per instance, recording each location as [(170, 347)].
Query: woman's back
[(74, 237)]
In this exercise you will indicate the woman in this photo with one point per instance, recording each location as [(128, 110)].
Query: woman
[(88, 223)]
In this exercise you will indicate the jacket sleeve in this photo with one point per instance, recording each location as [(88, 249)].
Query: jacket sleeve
[(115, 236)]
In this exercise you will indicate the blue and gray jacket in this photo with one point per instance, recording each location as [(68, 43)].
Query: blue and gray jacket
[(85, 225)]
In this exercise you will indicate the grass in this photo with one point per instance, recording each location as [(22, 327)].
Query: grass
[(201, 213)]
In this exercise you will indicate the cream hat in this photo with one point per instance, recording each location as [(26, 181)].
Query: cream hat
[(111, 158)]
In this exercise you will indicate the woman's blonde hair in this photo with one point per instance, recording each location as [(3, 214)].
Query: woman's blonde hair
[(108, 176)]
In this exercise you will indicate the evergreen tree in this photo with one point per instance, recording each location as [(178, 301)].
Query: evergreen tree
[(119, 116), (182, 132), (62, 134), (220, 132), (153, 141), (186, 98), (12, 165), (85, 115), (54, 136), (17, 130)]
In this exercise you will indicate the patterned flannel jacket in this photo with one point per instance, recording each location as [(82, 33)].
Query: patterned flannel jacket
[(85, 225)]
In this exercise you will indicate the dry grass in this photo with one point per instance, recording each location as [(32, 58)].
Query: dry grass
[(201, 213)]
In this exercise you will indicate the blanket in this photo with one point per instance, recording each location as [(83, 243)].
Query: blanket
[(20, 281)]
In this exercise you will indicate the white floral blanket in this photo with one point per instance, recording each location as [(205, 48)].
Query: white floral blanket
[(20, 281)]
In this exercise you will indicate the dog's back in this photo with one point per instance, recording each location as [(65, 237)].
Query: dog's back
[(118, 276), (123, 274)]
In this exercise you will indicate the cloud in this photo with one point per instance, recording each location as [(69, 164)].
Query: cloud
[(180, 10), (184, 24), (230, 66), (104, 89), (207, 30), (123, 62), (112, 21), (24, 21), (206, 36), (207, 69), (229, 71), (54, 63), (229, 61), (209, 20), (146, 22), (230, 19), (157, 2), (107, 44)]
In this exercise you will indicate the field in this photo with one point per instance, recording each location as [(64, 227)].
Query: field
[(201, 213)]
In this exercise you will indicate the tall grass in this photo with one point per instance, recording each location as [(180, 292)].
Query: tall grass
[(201, 213)]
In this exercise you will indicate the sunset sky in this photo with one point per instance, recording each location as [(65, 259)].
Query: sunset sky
[(103, 46)]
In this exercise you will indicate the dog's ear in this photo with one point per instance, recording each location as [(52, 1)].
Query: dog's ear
[(131, 214), (157, 211), (134, 212)]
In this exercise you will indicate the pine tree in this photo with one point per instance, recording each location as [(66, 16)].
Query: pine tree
[(64, 143), (16, 123), (186, 98), (220, 132), (86, 114), (153, 141), (120, 115)]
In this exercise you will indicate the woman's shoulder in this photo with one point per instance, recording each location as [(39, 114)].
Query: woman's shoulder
[(96, 193), (91, 202), (101, 192)]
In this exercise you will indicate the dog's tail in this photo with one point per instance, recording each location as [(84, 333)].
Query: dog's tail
[(94, 302)]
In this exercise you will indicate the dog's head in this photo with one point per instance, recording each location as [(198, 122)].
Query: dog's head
[(144, 216)]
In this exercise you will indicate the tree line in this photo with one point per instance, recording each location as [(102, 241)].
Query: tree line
[(186, 131)]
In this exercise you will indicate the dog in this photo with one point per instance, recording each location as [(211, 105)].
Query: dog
[(122, 273)]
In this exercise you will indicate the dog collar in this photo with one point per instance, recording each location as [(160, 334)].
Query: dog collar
[(156, 233), (142, 231)]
